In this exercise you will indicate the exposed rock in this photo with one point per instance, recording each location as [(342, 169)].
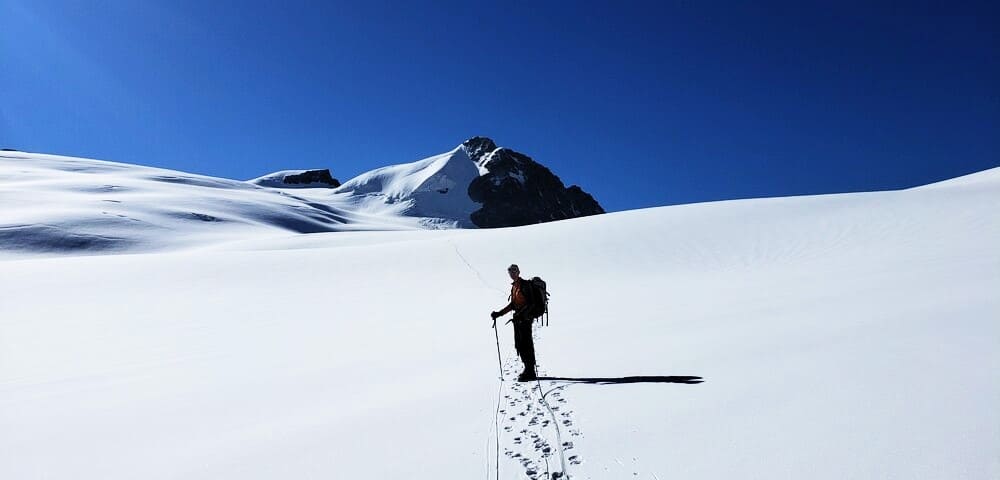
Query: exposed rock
[(478, 148), (311, 177), (516, 190)]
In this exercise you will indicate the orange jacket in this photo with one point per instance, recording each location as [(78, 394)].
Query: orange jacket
[(520, 297)]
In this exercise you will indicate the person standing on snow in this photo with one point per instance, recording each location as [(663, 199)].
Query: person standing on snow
[(521, 301)]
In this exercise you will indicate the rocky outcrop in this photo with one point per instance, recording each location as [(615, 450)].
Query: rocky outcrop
[(310, 177), (515, 190), (479, 148)]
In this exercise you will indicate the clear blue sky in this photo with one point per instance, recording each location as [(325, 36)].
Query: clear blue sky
[(642, 104)]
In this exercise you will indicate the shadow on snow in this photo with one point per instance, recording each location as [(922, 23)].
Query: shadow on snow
[(638, 379)]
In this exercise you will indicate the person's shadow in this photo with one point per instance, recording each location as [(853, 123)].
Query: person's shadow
[(637, 379)]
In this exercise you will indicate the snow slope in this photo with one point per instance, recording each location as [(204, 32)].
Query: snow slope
[(436, 187), (65, 205), (837, 336), (53, 204)]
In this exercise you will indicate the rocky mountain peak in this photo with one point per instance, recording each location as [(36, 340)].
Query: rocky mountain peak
[(516, 190), (478, 148)]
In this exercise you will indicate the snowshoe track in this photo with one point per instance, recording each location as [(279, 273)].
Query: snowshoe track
[(530, 435)]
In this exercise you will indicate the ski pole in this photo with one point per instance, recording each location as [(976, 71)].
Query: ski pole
[(497, 335)]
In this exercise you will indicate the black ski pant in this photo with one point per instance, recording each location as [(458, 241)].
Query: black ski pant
[(523, 342)]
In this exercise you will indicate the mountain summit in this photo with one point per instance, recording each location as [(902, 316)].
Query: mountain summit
[(515, 190), (477, 184)]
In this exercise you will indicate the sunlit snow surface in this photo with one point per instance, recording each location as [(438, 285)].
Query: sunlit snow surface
[(65, 205), (838, 336)]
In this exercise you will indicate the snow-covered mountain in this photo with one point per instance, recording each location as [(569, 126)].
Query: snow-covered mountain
[(819, 337), (55, 204), (434, 189)]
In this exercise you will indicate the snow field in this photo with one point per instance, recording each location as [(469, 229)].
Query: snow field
[(838, 336)]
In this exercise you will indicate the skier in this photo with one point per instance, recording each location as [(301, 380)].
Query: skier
[(521, 301)]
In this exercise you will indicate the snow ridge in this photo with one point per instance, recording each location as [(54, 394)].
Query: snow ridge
[(434, 187)]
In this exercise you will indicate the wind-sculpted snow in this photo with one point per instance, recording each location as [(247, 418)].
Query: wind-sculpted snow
[(55, 238), (54, 204), (819, 337), (82, 206)]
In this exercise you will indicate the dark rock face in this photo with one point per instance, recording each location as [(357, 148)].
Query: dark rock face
[(520, 191), (479, 147), (312, 176)]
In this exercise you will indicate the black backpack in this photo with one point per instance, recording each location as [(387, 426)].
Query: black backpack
[(540, 297)]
